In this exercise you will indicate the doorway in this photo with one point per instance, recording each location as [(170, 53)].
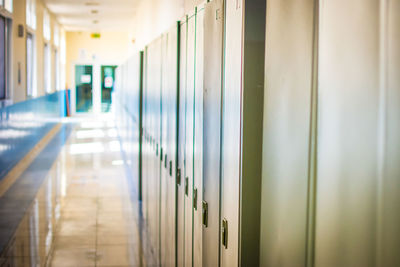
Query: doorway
[(107, 87), (84, 88)]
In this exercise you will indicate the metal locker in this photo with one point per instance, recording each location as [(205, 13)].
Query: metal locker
[(169, 85), (230, 179), (286, 144), (213, 54), (163, 156), (154, 59), (243, 90), (189, 144), (198, 140), (357, 198), (173, 39), (181, 146)]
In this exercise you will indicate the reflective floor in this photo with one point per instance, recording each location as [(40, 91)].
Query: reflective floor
[(83, 213)]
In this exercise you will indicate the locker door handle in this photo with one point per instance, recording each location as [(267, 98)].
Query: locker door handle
[(205, 213), (161, 153), (165, 161), (195, 198), (178, 176), (170, 168), (187, 186), (225, 233), (157, 150)]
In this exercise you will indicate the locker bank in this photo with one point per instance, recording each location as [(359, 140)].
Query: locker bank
[(200, 133)]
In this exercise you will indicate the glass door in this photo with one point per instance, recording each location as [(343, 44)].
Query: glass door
[(84, 88), (107, 86)]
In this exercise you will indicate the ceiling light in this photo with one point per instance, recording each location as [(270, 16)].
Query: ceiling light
[(94, 11), (95, 21)]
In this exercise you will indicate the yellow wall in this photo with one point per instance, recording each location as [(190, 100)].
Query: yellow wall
[(154, 17), (110, 48), (18, 58)]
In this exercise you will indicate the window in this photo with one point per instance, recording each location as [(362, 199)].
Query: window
[(56, 35), (30, 65), (31, 13), (3, 62), (47, 68), (57, 70), (7, 4), (46, 26)]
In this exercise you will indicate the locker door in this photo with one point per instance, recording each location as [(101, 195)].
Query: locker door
[(287, 112), (172, 144), (189, 164), (165, 205), (198, 141), (230, 180), (357, 198), (242, 132), (213, 48), (181, 147)]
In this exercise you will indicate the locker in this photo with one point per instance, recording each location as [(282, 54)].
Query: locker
[(173, 41), (287, 113), (189, 143), (169, 97), (213, 54), (181, 146), (243, 90), (230, 179), (154, 83), (198, 139), (165, 205), (358, 185)]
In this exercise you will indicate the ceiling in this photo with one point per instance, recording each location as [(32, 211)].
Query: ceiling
[(94, 15)]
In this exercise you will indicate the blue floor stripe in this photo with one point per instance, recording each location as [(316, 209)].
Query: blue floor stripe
[(16, 201)]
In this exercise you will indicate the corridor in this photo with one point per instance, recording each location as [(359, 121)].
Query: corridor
[(191, 133), (84, 213)]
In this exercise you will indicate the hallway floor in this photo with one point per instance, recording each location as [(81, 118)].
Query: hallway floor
[(83, 213)]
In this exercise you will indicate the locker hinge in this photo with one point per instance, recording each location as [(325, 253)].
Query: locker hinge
[(205, 213), (225, 233), (195, 198), (170, 168), (165, 162), (178, 176), (186, 185)]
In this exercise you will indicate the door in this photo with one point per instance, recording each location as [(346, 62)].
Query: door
[(107, 86), (84, 88)]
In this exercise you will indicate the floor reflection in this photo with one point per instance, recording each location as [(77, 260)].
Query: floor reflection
[(83, 214)]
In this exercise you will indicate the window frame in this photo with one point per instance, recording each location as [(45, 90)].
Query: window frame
[(8, 22), (34, 66)]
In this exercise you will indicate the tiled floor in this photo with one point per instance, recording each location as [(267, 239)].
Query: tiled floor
[(83, 214)]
